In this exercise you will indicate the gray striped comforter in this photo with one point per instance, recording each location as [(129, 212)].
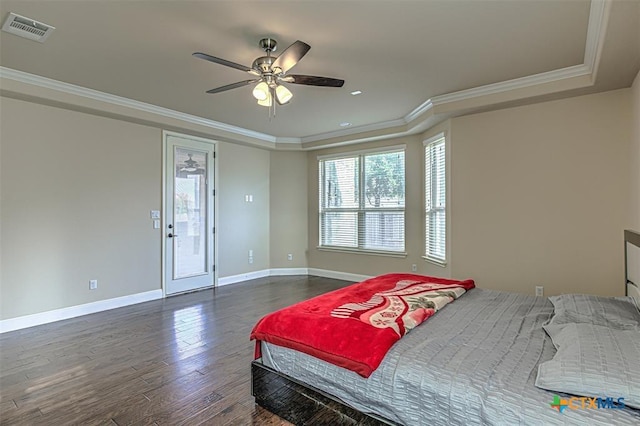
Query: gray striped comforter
[(473, 363)]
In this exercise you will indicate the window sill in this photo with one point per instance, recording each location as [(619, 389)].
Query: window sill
[(366, 252), (436, 262)]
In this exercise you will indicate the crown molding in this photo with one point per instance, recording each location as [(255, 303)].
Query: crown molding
[(355, 130), (412, 122), (72, 89), (419, 111), (596, 30), (511, 85)]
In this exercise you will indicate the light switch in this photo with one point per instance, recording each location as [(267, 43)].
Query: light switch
[(155, 214), (156, 224)]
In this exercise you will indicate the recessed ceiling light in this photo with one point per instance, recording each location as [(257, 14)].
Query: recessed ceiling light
[(345, 124), (356, 92)]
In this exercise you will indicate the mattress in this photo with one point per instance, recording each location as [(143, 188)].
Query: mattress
[(474, 362)]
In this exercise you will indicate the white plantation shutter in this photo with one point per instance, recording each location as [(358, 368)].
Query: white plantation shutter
[(339, 202), (435, 200), (362, 201)]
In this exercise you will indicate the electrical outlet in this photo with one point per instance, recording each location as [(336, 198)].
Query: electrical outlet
[(539, 290), (250, 260), (93, 284), (289, 256), (414, 268)]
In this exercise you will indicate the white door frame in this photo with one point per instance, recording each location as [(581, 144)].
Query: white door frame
[(165, 135)]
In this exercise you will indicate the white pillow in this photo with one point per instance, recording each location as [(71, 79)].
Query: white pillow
[(593, 361), (616, 312)]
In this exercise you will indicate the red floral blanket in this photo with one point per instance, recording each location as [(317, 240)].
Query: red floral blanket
[(355, 326)]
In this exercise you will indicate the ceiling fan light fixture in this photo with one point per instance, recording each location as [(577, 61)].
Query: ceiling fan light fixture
[(268, 101), (261, 91), (283, 94)]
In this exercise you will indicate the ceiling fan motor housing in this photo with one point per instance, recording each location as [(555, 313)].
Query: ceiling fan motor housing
[(263, 63)]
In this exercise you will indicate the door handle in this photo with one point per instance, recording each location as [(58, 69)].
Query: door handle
[(170, 235)]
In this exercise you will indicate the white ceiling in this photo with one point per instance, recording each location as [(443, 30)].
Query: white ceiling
[(400, 54)]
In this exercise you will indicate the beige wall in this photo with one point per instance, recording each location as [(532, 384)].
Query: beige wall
[(76, 190), (288, 209), (540, 195), (634, 157), (76, 193), (242, 226), (414, 226)]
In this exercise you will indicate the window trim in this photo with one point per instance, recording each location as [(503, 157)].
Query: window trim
[(359, 210), (363, 251), (380, 150), (432, 259)]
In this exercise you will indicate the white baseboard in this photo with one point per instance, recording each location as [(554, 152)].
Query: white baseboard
[(18, 323), (338, 275), (26, 321), (288, 271), (232, 279)]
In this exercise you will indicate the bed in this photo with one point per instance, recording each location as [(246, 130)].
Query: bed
[(490, 358)]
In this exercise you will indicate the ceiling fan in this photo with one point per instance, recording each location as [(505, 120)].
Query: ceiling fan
[(271, 73)]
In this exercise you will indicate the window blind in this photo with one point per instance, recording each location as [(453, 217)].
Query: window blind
[(435, 201), (362, 201)]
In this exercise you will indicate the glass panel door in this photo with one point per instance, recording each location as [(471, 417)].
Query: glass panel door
[(190, 213), (189, 247)]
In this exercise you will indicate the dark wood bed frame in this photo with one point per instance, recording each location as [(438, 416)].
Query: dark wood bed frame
[(302, 404)]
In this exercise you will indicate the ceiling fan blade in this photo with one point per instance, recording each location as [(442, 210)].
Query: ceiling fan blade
[(232, 86), (291, 56), (223, 62), (311, 80)]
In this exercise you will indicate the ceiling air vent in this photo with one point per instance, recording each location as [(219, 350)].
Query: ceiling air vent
[(27, 27)]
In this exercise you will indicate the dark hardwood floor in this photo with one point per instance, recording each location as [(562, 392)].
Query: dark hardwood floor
[(181, 360)]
